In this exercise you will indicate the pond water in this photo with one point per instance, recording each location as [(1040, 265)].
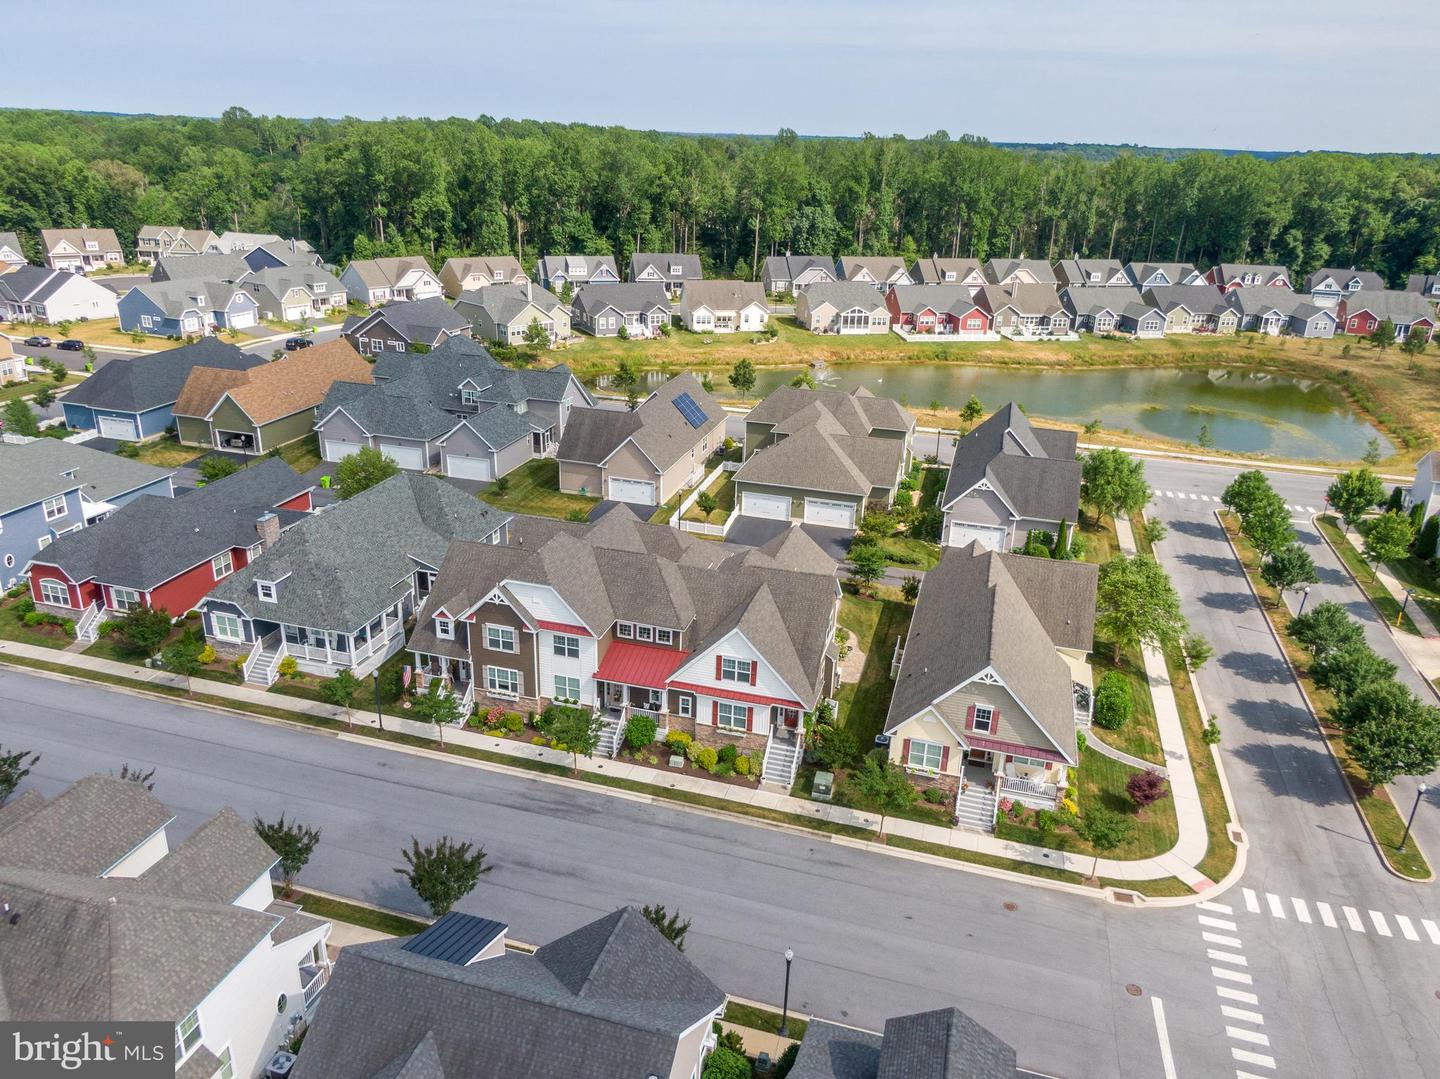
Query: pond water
[(1247, 411)]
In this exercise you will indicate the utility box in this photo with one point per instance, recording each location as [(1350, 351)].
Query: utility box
[(823, 789)]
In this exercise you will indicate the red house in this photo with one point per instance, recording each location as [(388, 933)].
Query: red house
[(944, 310), (1361, 312), (167, 553)]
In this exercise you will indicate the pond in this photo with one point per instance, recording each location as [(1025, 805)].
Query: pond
[(1246, 410)]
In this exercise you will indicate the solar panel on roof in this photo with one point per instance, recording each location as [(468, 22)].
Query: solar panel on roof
[(455, 938), (693, 413)]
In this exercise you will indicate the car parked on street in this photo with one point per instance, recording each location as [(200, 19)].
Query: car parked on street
[(71, 344), (293, 343), (38, 342)]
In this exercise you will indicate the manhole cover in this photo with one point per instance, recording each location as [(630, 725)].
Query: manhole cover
[(1134, 990), (1012, 906)]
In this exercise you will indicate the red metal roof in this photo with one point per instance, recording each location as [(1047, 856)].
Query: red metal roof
[(997, 746), (736, 695), (563, 627), (645, 665)]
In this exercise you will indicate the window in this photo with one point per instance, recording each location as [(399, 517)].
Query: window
[(686, 705), (227, 1064), (924, 755), (445, 629), (567, 688), (984, 719), (624, 629), (568, 646), (735, 670), (644, 633), (734, 717), (469, 397), (1028, 762), (664, 636), (55, 507), (45, 541), (222, 565), (502, 680), (226, 627), (54, 592), (124, 599), (265, 590), (187, 1035), (500, 639), (146, 321)]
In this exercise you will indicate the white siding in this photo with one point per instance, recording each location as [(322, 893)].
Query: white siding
[(582, 667), (543, 602), (699, 670), (142, 857)]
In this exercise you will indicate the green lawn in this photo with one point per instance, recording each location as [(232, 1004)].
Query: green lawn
[(166, 452), (36, 382), (1387, 604), (12, 628), (1418, 574), (534, 488), (337, 910), (1139, 737), (876, 624), (303, 454), (724, 491), (905, 552), (932, 486), (744, 1015), (307, 687)]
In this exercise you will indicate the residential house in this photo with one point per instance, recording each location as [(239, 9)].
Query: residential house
[(154, 241), (1098, 308), (294, 293), (212, 266), (1145, 275), (187, 308), (612, 998), (1142, 320), (646, 456), (1424, 284), (821, 457), (1228, 276), (1362, 312), (938, 271), (167, 553), (994, 680), (80, 250), (1022, 271), (336, 593), (503, 313), (258, 409), (240, 243), (941, 1044), (729, 645), (379, 281), (878, 271), (1199, 308), (669, 270), (1327, 286), (1025, 310), (272, 254), (98, 901), (723, 306), (1311, 320), (795, 273), (131, 399), (601, 309), (1425, 491), (457, 409), (12, 254), (38, 294), (1091, 273), (946, 310), (12, 364), (460, 275), (1008, 479), (556, 271), (842, 307), (1263, 309), (49, 488), (403, 325)]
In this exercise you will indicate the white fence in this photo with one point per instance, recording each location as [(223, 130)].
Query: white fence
[(704, 528)]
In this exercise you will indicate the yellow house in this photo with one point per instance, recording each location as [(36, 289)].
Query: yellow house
[(993, 679)]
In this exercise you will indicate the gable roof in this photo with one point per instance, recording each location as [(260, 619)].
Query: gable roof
[(1369, 280), (1175, 272), (1197, 299), (217, 861), (36, 284), (1425, 284), (952, 298), (789, 267), (657, 426), (11, 241), (881, 267), (997, 270), (1234, 271), (569, 266), (1401, 308), (387, 272), (1257, 299), (422, 321), (1096, 273), (1026, 299), (627, 297), (1032, 469), (146, 382), (1091, 300), (210, 266), (52, 238), (460, 268), (504, 303), (294, 383), (662, 261), (932, 271), (719, 295), (844, 295), (943, 1044), (36, 470), (280, 280), (173, 298)]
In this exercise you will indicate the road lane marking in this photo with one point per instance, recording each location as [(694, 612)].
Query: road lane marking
[(1216, 923), (1167, 1058), (1246, 1075), (1407, 928), (1302, 912), (1220, 938), (1227, 975), (1244, 1056), (1326, 914), (1277, 908), (1218, 908), (1432, 929), (1311, 509), (1240, 1013), (1236, 994), (1240, 1034), (1226, 957), (1252, 901), (1352, 916), (1381, 925)]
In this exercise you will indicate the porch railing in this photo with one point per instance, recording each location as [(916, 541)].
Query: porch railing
[(85, 628), (271, 640), (1028, 788)]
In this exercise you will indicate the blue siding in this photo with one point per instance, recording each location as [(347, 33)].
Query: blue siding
[(135, 304), (21, 531), (160, 488), (86, 417)]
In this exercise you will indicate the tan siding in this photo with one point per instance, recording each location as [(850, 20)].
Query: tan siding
[(574, 476), (1013, 724)]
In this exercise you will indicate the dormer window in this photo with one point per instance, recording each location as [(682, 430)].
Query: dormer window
[(675, 271), (949, 275), (318, 287), (470, 397), (266, 591), (444, 629), (91, 245)]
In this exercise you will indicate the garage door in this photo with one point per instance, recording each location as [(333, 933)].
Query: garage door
[(989, 537), (467, 468), (820, 511), (241, 319), (407, 457), (774, 507), (118, 427), (338, 451), (641, 492)]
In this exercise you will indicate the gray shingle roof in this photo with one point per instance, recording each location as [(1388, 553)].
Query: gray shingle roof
[(1401, 308), (1026, 299), (85, 829), (826, 441), (1369, 279), (568, 267), (1175, 272), (146, 382), (662, 261), (657, 426), (1093, 299), (1257, 299), (1093, 273), (1032, 469), (933, 271), (627, 297), (789, 267), (997, 270), (881, 267), (720, 295), (504, 302), (843, 295), (385, 272), (35, 471), (943, 1044), (12, 241), (1197, 299), (610, 999), (422, 321), (217, 861), (832, 1051), (1423, 283), (32, 284), (211, 267), (948, 299), (1231, 271)]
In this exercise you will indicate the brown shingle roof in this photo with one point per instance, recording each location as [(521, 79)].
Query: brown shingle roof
[(298, 381)]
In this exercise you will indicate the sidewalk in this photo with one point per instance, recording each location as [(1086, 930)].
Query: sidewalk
[(1178, 862)]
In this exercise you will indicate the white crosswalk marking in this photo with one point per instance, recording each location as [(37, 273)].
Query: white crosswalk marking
[(1244, 1056), (1169, 494), (1227, 975), (1352, 918), (1245, 1075), (1218, 908), (1236, 994), (1432, 929), (1215, 923), (1381, 925), (1326, 914), (1311, 509), (1407, 928), (1240, 1034), (1220, 938), (1241, 1014), (1277, 908), (1302, 912), (1193, 495), (1252, 901), (1227, 957)]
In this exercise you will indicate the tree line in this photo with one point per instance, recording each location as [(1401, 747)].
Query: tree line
[(458, 186)]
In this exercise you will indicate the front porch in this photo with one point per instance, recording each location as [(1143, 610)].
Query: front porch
[(454, 675), (325, 652)]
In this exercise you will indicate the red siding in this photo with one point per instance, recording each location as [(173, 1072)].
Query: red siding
[(81, 595), (299, 502), (182, 592)]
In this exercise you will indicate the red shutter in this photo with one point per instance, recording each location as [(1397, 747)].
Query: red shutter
[(718, 662), (994, 719), (753, 668), (905, 752), (970, 718), (714, 713), (944, 757), (749, 720)]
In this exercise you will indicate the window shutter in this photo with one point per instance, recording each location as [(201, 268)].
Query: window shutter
[(749, 720), (944, 757), (994, 719), (718, 662), (970, 718), (715, 713), (905, 752), (754, 668)]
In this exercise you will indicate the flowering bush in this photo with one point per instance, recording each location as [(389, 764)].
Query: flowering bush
[(678, 740), (1070, 806), (495, 716), (1005, 804)]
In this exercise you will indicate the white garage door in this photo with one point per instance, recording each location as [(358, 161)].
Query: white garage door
[(774, 507), (641, 492), (467, 468), (240, 319), (407, 457), (820, 511), (338, 451), (987, 536), (118, 427)]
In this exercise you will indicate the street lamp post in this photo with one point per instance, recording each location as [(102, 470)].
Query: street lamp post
[(1304, 595), (1419, 793), (785, 1005), (1403, 604), (379, 715)]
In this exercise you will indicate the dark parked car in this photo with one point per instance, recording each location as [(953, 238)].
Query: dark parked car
[(38, 342), (292, 343), (71, 344)]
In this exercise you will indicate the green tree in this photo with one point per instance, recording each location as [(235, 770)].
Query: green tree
[(1137, 605), (1383, 335), (44, 397), (1388, 732), (1427, 542), (1372, 452), (182, 657), (1325, 627), (1414, 344), (972, 410), (215, 467), (726, 1063), (1267, 526), (803, 381), (567, 293), (671, 926), (142, 630), (883, 787), (1355, 494), (15, 765), (341, 690), (1154, 530), (1344, 671), (1204, 439), (1198, 650), (1289, 567), (362, 470), (19, 419), (1387, 539), (867, 564), (443, 873), (742, 377), (292, 842), (437, 705), (535, 335), (1113, 483), (1246, 491), (578, 730)]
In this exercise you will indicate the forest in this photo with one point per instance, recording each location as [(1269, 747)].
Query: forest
[(456, 186)]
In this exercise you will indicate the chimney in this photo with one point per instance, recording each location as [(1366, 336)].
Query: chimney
[(267, 527), (529, 295), (292, 245)]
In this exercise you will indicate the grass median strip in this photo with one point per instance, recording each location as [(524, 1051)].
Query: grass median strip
[(1384, 602), (747, 1015), (337, 910)]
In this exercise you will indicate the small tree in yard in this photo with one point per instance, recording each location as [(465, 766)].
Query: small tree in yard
[(1345, 670), (1326, 627), (867, 564), (143, 630), (1414, 344), (1113, 483), (578, 730), (972, 410), (884, 787), (20, 419), (742, 377), (1267, 526), (671, 926), (1105, 828), (1246, 492), (182, 657), (442, 874), (1383, 335), (910, 588), (292, 842), (340, 691), (15, 765), (1197, 650), (1137, 605), (1355, 494), (1387, 539), (437, 705), (44, 397), (1289, 567), (1146, 788), (215, 467), (362, 470), (1155, 530), (1388, 732), (706, 501), (535, 335)]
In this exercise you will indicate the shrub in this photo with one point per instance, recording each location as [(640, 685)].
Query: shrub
[(707, 758), (25, 606), (935, 795), (1211, 734), (757, 763), (214, 468), (502, 485), (725, 1063), (107, 627), (835, 747), (207, 654), (289, 668), (512, 721), (578, 516), (728, 754), (639, 731), (1146, 788), (1113, 703), (678, 740), (1044, 821), (538, 740), (742, 766), (1105, 828), (786, 1061), (910, 588), (692, 750)]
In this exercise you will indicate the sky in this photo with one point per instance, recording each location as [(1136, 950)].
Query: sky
[(1261, 74)]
